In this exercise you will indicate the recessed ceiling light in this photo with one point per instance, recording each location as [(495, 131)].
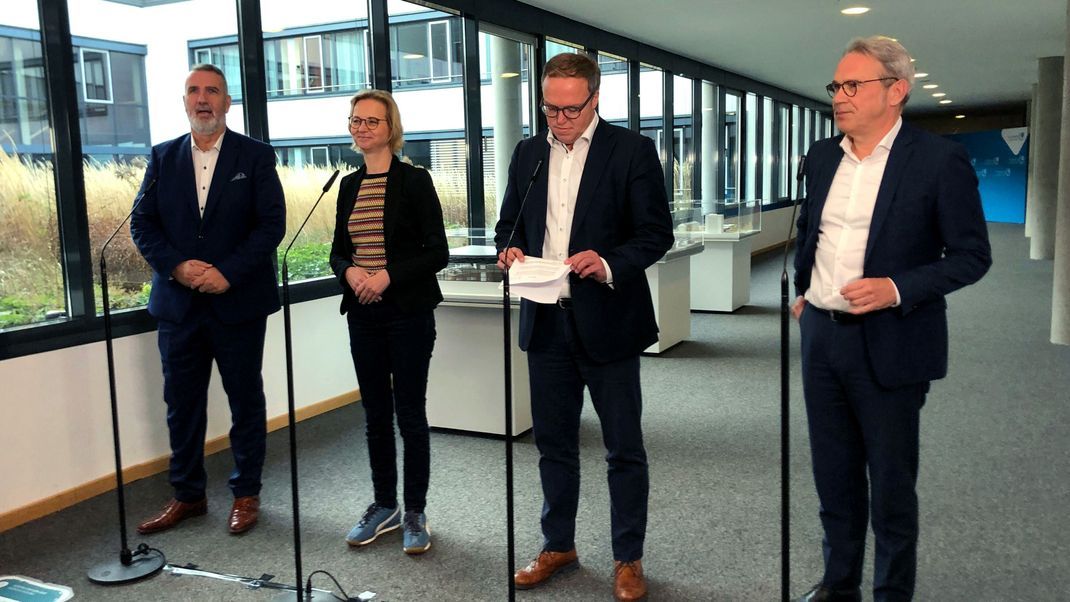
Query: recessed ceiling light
[(931, 86), (509, 74), (945, 101), (855, 10), (939, 94), (921, 74), (960, 117), (412, 55), (913, 60)]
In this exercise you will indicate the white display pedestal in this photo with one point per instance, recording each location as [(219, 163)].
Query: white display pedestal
[(466, 383), (720, 275), (670, 283)]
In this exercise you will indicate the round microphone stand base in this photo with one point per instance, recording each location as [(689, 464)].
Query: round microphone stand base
[(113, 572), (313, 596)]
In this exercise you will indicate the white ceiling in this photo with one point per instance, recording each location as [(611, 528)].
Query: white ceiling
[(980, 52)]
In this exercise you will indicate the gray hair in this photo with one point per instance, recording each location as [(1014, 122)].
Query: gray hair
[(211, 69), (890, 54)]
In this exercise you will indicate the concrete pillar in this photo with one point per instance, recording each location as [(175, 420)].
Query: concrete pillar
[(1031, 183), (1060, 293), (710, 149), (1049, 109), (508, 108)]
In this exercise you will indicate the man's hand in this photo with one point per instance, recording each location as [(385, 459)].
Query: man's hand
[(188, 271), (869, 294), (587, 264), (508, 256), (371, 289), (211, 281), (355, 275), (798, 307)]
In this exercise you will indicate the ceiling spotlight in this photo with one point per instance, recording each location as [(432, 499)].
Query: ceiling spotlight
[(913, 60), (931, 86), (412, 55), (939, 94), (920, 75), (945, 101), (960, 117), (509, 74), (855, 10)]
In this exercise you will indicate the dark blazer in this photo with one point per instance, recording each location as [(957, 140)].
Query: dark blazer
[(244, 221), (928, 234), (415, 237), (622, 213)]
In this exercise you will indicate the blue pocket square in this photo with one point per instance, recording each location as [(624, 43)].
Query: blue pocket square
[(239, 176)]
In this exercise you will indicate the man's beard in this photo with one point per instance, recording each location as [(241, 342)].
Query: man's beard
[(205, 127)]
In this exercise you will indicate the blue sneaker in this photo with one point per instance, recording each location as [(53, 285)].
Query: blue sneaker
[(376, 520), (416, 534)]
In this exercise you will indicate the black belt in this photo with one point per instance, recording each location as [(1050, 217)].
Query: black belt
[(841, 317), (564, 303)]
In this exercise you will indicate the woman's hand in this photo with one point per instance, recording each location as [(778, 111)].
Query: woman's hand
[(370, 290)]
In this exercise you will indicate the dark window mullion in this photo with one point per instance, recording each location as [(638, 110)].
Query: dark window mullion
[(251, 55), (379, 38), (77, 257), (633, 95), (696, 139), (473, 125)]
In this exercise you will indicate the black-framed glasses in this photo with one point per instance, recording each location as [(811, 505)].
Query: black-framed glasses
[(371, 122), (571, 112), (850, 87)]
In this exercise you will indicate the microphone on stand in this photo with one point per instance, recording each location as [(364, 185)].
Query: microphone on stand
[(303, 594), (145, 561), (785, 395), (507, 331)]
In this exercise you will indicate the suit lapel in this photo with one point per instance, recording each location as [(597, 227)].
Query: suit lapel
[(224, 171), (602, 143), (893, 172), (392, 199), (819, 192), (186, 175)]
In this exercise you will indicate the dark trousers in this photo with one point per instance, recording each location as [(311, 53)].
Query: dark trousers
[(187, 350), (559, 369), (864, 446), (392, 354)]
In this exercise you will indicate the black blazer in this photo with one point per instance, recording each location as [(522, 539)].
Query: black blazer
[(928, 234), (622, 213), (415, 237), (244, 221)]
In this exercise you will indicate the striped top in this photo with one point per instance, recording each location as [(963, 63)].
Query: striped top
[(366, 224)]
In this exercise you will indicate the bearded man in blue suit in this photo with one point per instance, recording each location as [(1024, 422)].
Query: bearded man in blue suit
[(211, 219), (892, 222)]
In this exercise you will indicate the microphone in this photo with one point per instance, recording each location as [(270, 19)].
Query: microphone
[(137, 202), (799, 172), (523, 201), (326, 187)]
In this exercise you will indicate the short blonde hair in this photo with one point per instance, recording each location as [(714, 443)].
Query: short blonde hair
[(393, 116)]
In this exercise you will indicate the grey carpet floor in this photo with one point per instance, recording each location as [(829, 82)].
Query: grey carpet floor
[(994, 489)]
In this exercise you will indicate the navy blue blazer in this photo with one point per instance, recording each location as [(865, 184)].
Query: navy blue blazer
[(413, 234), (244, 221), (928, 234), (622, 213)]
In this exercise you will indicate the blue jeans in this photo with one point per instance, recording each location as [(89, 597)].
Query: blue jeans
[(392, 354)]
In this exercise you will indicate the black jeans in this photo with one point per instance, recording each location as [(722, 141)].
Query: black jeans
[(391, 354)]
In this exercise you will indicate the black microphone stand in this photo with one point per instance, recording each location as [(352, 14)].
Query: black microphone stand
[(303, 593), (785, 409), (508, 364), (145, 561)]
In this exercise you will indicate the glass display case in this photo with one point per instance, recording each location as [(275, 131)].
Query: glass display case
[(720, 219)]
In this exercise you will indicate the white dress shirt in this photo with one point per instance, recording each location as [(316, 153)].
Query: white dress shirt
[(845, 219), (563, 185), (204, 168)]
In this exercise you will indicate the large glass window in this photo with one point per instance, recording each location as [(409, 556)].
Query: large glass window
[(796, 128), (96, 75), (433, 116), (783, 162), (730, 142), (750, 146), (555, 47), (507, 109), (683, 142), (31, 273), (768, 194), (613, 94), (327, 61), (651, 106)]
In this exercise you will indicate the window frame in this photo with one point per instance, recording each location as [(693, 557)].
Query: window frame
[(107, 75)]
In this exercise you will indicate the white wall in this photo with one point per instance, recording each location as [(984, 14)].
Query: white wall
[(56, 411)]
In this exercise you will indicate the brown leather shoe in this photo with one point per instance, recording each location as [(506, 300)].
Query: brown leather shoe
[(172, 514), (628, 581), (244, 513), (542, 568)]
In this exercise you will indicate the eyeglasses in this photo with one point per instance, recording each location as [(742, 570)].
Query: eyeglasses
[(850, 87), (571, 112), (371, 122)]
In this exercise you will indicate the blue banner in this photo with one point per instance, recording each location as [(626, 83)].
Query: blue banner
[(1001, 160)]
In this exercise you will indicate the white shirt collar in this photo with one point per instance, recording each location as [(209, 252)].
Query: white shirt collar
[(218, 142), (885, 143), (587, 134)]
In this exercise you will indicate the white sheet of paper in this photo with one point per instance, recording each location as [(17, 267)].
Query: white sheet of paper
[(537, 279)]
